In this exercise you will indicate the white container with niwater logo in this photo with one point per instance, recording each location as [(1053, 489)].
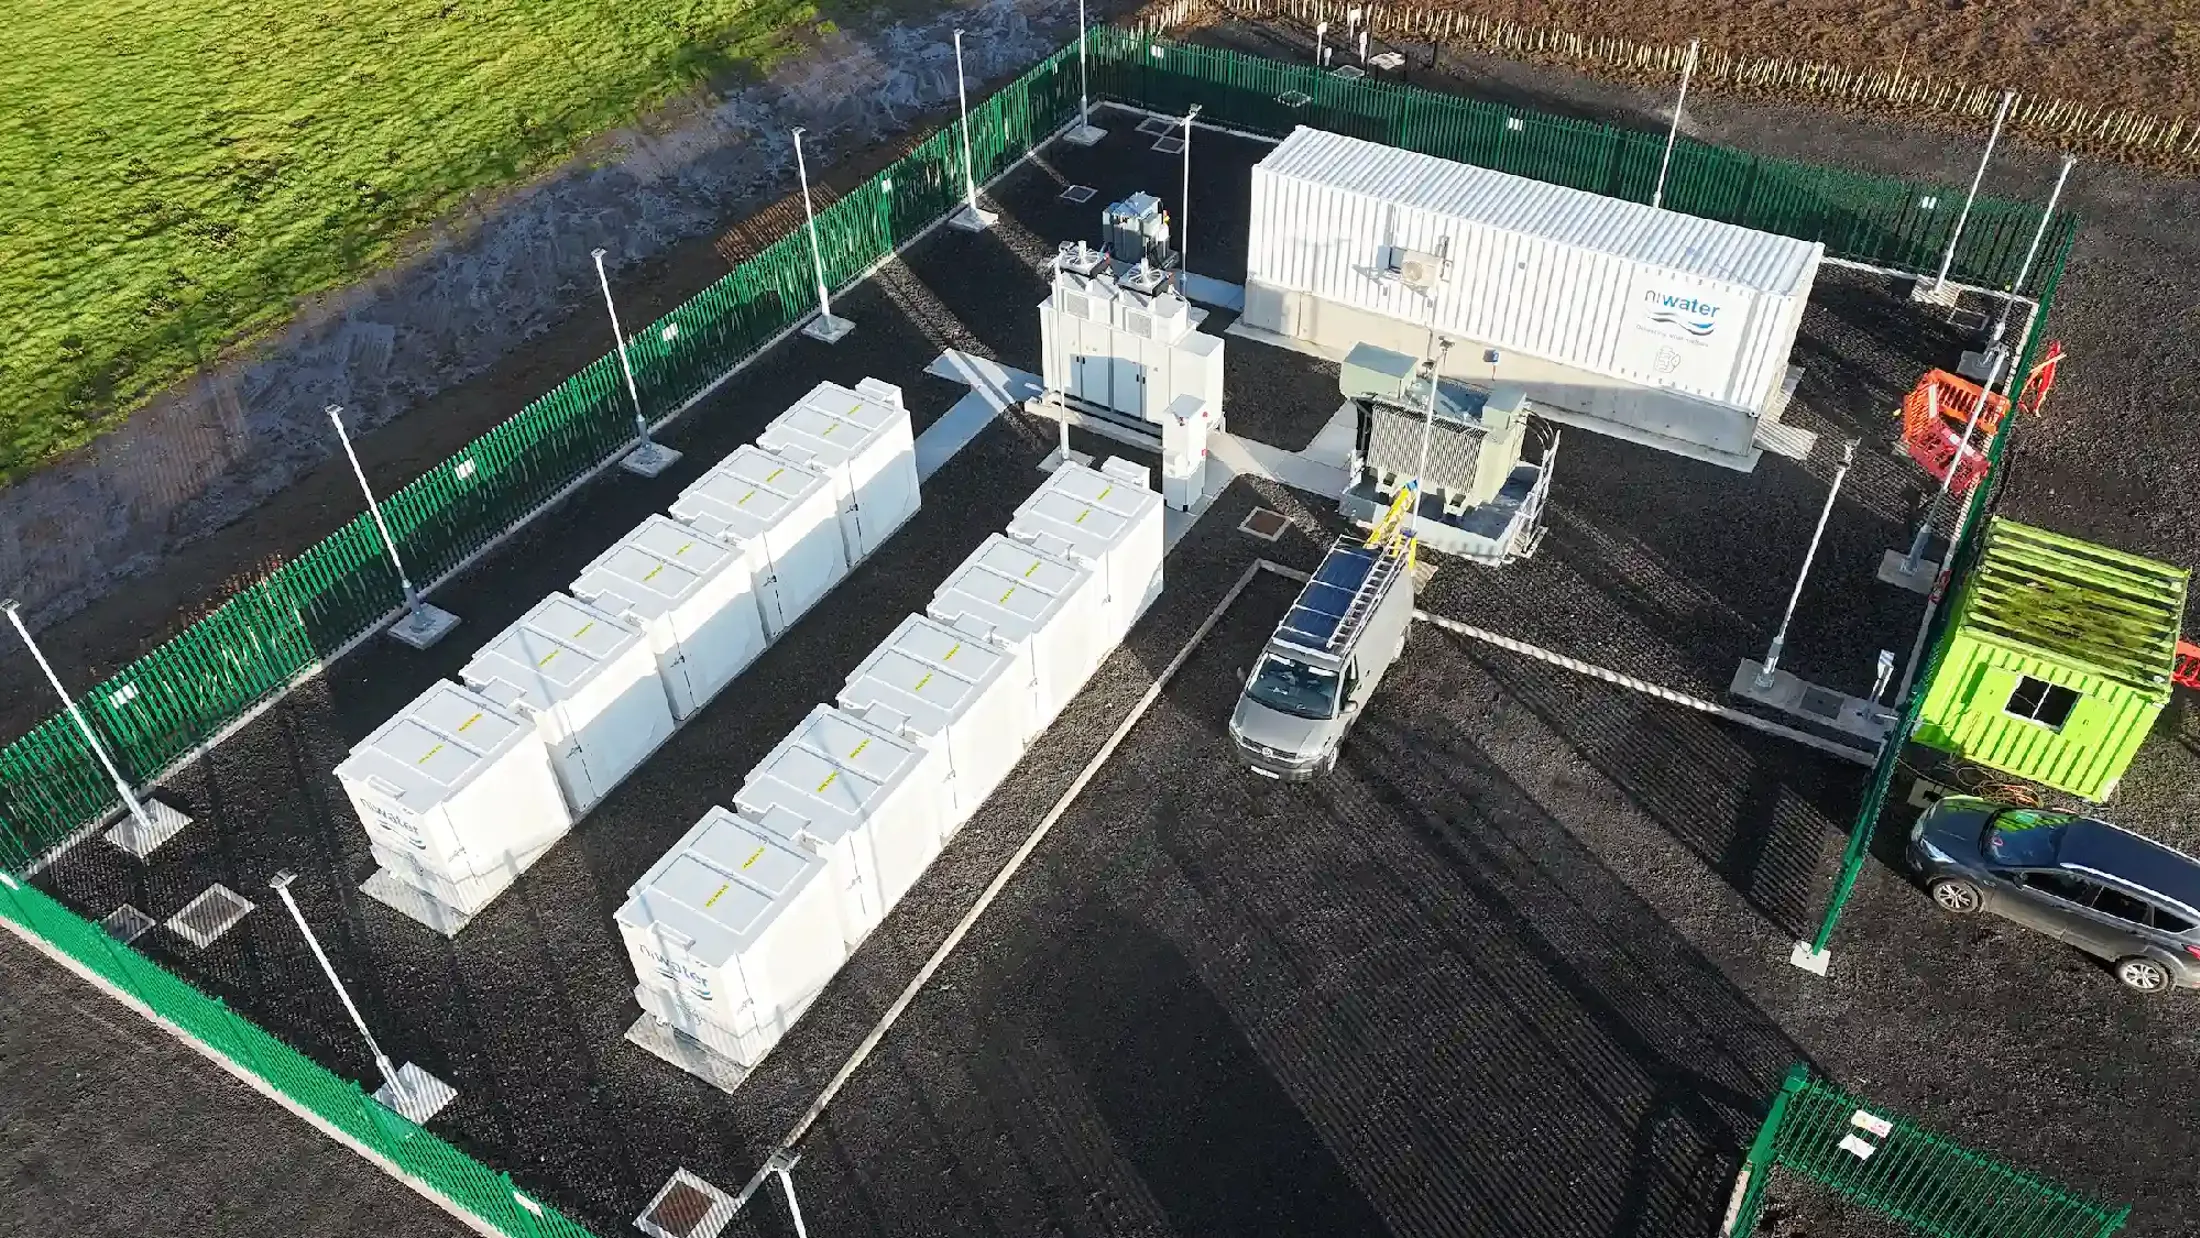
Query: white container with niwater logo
[(861, 439), (732, 934), (457, 795), (693, 595)]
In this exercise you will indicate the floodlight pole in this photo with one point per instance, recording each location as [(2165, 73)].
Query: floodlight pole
[(825, 327), (1672, 134), (1084, 132), (782, 1164), (969, 218), (1948, 259), (1771, 663), (423, 625), (1184, 208), (2001, 320), (1321, 32), (14, 611), (648, 458), (1428, 427), (390, 1077)]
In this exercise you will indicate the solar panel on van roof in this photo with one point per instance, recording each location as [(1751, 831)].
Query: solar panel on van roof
[(1314, 618)]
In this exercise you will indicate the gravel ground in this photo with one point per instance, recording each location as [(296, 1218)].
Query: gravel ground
[(1546, 993), (115, 1129)]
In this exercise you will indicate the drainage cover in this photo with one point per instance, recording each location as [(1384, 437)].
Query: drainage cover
[(1264, 524), (209, 915), (126, 924), (687, 1207), (1078, 193), (1294, 98), (1819, 703), (1155, 126), (1169, 146)]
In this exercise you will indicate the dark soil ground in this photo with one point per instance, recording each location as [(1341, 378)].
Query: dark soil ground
[(1519, 968)]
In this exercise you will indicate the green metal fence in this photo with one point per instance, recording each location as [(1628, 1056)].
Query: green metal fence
[(1890, 1165), (1879, 220)]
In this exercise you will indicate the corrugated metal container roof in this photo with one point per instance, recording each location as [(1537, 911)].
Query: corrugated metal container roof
[(2112, 613), (1728, 252)]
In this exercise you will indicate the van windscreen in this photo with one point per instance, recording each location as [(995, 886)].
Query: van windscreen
[(1294, 688)]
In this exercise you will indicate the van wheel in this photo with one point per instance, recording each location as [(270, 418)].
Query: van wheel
[(2143, 975), (1957, 896)]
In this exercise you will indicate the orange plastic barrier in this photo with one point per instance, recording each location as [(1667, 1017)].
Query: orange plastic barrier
[(1933, 441)]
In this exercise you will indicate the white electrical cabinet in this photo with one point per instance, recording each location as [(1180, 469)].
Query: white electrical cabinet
[(591, 684), (1348, 233), (694, 597), (786, 520), (457, 795), (956, 693), (1184, 430), (868, 800), (1109, 519), (865, 445), (1125, 351), (1040, 606), (732, 934)]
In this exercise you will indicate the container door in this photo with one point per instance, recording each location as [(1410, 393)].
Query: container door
[(1128, 379)]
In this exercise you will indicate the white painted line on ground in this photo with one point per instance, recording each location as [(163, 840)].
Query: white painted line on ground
[(1644, 686), (1000, 880)]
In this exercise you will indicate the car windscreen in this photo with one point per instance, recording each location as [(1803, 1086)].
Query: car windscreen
[(1294, 688), (2024, 837)]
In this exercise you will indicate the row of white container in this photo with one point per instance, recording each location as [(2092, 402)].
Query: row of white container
[(737, 929), (468, 785)]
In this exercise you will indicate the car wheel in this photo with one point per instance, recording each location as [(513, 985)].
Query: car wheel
[(2143, 975), (1957, 896)]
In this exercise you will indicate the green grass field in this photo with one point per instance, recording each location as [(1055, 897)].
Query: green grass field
[(178, 172)]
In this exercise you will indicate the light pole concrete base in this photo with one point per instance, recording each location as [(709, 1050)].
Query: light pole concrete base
[(415, 1094), (138, 838), (649, 460), (972, 219), (1927, 292), (1850, 715), (423, 626), (1084, 135), (1813, 961), (1056, 459), (1893, 570), (828, 328)]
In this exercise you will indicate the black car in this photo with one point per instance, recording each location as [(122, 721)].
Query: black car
[(2105, 890)]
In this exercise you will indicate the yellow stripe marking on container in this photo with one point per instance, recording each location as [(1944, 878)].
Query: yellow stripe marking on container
[(1105, 493), (859, 750), (746, 497), (1006, 594), (775, 475), (584, 629), (470, 721), (546, 658), (921, 682), (712, 901), (829, 780), (431, 754), (829, 430), (749, 863), (683, 550), (653, 573), (1029, 570), (952, 652), (1081, 516)]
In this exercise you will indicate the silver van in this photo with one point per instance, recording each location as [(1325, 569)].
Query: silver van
[(1324, 661)]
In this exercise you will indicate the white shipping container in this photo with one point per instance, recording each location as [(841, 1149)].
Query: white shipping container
[(956, 693), (732, 934), (591, 684), (692, 595), (1039, 605), (866, 447), (455, 785), (1649, 296), (867, 800), (785, 519), (1109, 520)]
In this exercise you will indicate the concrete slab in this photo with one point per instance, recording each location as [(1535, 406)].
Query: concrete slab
[(994, 388), (1215, 292)]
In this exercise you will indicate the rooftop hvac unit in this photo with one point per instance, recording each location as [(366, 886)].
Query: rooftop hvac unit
[(457, 795), (867, 800), (693, 596), (1042, 607), (1109, 520), (865, 446), (785, 518), (954, 692), (591, 684), (732, 934)]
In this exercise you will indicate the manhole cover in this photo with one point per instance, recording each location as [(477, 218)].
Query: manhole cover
[(1264, 524), (1078, 193), (126, 924), (687, 1207), (209, 915), (1155, 126), (1820, 703), (1169, 146), (1294, 98)]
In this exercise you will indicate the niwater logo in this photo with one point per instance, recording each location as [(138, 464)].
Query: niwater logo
[(1689, 314), (695, 981)]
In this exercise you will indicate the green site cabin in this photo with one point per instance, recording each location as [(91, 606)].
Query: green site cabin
[(2057, 659)]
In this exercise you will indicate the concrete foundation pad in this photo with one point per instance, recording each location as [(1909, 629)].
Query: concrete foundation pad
[(423, 627), (1928, 292), (1892, 571), (1852, 716), (1057, 458), (972, 219), (649, 460), (675, 1048), (418, 1096), (1813, 961), (414, 903), (1084, 135), (139, 838)]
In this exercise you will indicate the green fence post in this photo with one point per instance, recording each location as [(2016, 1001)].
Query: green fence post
[(1749, 1184)]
